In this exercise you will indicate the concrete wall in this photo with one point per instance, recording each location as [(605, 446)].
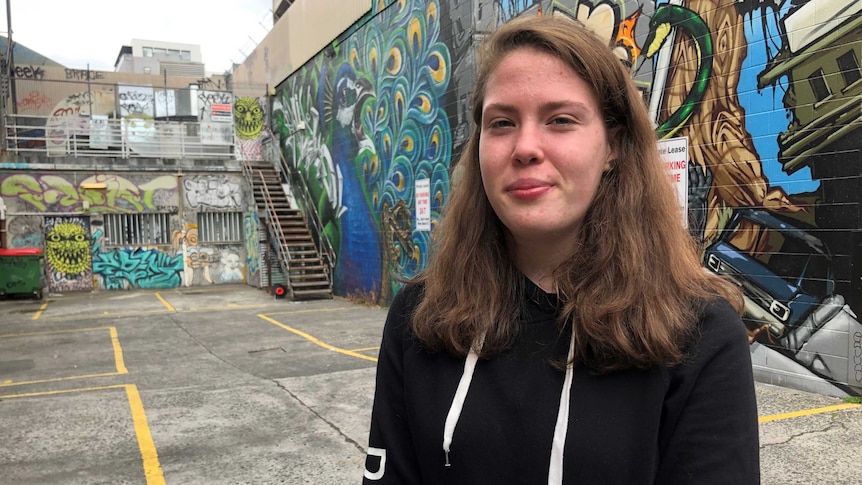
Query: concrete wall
[(61, 213), (774, 131)]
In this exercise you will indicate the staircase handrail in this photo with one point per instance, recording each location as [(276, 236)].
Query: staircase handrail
[(294, 177), (273, 223)]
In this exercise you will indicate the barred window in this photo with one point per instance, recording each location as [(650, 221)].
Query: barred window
[(137, 229), (220, 227)]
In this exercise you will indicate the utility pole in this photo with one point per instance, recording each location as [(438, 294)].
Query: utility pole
[(10, 49)]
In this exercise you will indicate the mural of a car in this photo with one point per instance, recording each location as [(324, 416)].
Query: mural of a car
[(786, 275)]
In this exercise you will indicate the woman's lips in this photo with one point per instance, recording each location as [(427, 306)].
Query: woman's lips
[(528, 189)]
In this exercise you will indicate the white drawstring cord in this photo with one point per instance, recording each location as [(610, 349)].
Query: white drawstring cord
[(555, 471)]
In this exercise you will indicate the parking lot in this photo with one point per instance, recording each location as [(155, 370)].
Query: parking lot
[(226, 385)]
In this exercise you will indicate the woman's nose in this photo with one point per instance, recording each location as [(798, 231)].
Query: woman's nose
[(528, 145)]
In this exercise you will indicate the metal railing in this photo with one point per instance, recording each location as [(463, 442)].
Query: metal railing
[(281, 240), (117, 138), (308, 208)]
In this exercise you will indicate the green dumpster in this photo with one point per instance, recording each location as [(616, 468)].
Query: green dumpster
[(21, 272)]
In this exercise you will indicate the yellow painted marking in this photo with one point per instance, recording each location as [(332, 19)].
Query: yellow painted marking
[(39, 312), (165, 303), (49, 332), (115, 342), (806, 412), (9, 383), (315, 310), (152, 469), (367, 349), (315, 340), (118, 352), (64, 391)]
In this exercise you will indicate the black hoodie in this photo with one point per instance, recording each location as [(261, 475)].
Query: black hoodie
[(692, 423)]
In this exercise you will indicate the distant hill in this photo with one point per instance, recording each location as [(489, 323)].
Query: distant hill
[(24, 56)]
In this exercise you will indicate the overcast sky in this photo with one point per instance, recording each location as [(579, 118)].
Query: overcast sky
[(77, 32)]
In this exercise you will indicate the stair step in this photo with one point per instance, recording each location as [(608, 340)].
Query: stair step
[(308, 284)]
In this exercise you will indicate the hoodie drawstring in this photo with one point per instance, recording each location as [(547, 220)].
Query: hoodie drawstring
[(458, 400), (555, 470)]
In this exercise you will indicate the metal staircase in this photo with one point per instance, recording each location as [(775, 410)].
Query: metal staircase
[(303, 256)]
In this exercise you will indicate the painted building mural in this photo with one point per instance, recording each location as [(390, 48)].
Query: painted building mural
[(364, 122), (765, 92), (249, 123), (154, 244)]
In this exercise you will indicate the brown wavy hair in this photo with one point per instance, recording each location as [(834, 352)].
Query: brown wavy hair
[(633, 286)]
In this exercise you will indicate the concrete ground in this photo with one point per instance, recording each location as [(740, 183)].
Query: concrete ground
[(226, 385)]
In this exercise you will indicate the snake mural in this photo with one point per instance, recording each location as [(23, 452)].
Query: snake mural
[(372, 108), (664, 20)]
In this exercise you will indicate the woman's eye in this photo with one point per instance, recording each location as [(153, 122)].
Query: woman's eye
[(499, 124), (562, 121)]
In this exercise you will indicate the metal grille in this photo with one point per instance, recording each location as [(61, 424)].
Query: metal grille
[(220, 227), (137, 229)]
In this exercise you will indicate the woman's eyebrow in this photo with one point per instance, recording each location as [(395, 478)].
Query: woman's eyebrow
[(548, 106)]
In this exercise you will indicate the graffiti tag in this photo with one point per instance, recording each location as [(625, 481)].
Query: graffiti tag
[(28, 72), (84, 74), (34, 101), (857, 355)]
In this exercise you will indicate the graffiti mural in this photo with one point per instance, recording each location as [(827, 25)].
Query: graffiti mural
[(68, 261), (248, 122), (210, 265), (766, 93), (213, 191), (126, 268), (251, 232), (25, 232), (374, 123), (54, 193)]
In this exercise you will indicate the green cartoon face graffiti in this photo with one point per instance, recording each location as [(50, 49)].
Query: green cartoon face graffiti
[(68, 248), (248, 118)]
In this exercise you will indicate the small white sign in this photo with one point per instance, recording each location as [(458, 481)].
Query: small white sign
[(674, 155), (423, 205)]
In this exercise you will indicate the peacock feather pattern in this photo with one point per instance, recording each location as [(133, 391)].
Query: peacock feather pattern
[(375, 125)]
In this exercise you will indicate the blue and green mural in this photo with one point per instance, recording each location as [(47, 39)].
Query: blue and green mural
[(372, 108)]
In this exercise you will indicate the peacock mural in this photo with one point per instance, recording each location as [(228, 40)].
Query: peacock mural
[(361, 123)]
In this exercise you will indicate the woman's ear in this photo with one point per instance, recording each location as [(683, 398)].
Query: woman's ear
[(613, 143)]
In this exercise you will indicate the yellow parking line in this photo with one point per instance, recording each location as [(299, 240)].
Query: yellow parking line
[(41, 309), (118, 352), (152, 469), (49, 332), (10, 383), (367, 349), (806, 412), (115, 343), (315, 340), (315, 310), (165, 303), (149, 455), (64, 391)]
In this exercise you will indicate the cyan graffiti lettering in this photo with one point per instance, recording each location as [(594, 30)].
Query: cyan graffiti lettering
[(136, 268)]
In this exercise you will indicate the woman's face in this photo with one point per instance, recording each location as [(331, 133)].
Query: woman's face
[(543, 146)]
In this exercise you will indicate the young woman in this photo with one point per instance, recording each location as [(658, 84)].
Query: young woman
[(564, 331)]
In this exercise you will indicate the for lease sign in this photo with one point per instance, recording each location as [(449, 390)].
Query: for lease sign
[(674, 154), (423, 205)]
